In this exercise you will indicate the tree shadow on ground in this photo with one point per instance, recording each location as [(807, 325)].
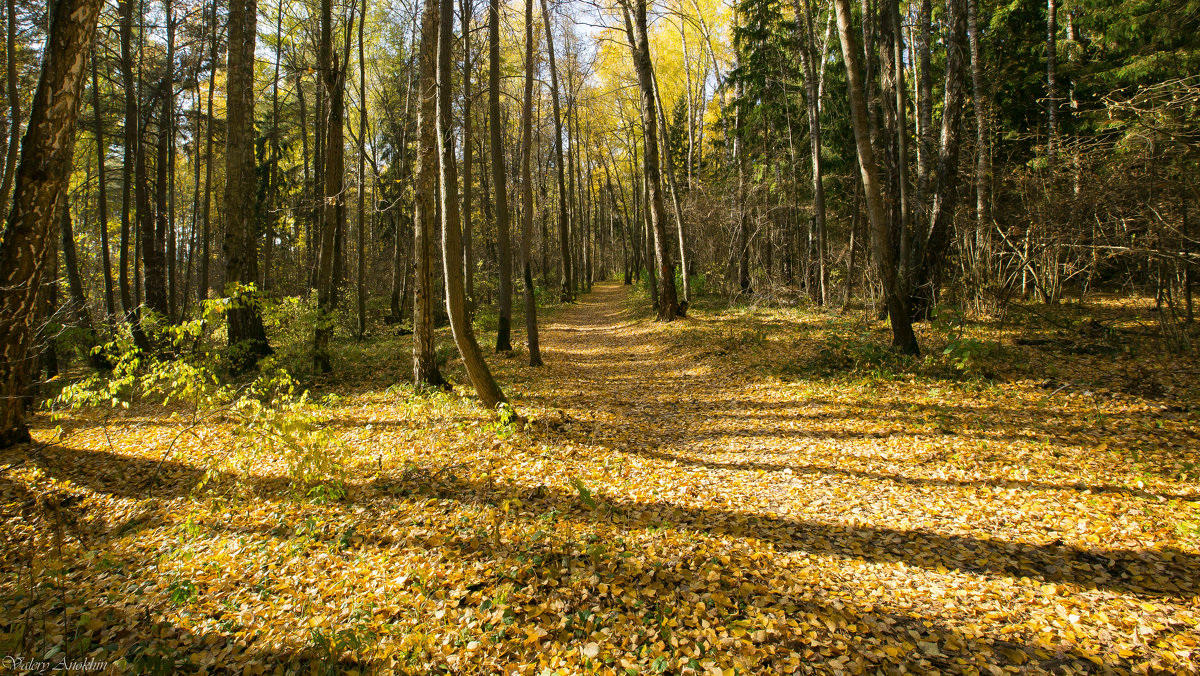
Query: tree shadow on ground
[(1166, 572)]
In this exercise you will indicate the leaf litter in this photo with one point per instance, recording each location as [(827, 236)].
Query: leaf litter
[(719, 495)]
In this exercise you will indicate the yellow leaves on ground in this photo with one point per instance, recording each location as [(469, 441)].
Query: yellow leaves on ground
[(722, 495)]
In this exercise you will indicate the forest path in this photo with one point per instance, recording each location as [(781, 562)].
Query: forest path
[(636, 387), (624, 381), (928, 509)]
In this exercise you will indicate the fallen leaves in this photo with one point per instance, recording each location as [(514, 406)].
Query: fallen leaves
[(667, 510)]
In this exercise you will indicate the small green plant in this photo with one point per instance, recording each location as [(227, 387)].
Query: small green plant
[(965, 353), (322, 493), (191, 527), (329, 647), (181, 592), (506, 420), (585, 494)]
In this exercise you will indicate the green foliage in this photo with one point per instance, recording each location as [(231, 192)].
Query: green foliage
[(182, 592), (585, 493), (858, 352), (272, 421), (506, 420), (329, 646), (698, 283), (966, 354), (290, 321)]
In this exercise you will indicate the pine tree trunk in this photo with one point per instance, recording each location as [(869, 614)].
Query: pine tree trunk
[(41, 179)]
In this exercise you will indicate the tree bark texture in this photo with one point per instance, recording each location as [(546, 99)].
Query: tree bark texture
[(668, 301), (40, 183)]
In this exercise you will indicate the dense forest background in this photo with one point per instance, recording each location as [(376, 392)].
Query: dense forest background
[(1020, 150)]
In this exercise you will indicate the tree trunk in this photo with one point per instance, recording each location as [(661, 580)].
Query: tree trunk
[(983, 165), (813, 101), (169, 233), (468, 258), (41, 181), (531, 328), (361, 277), (273, 206), (564, 224), (399, 270), (13, 146), (673, 186), (125, 11), (499, 180), (102, 192), (333, 204), (460, 324), (194, 235), (742, 241), (572, 201), (79, 306), (881, 239), (202, 288), (647, 245), (247, 337), (1052, 80), (934, 250), (154, 238), (925, 144), (668, 305), (425, 369), (306, 213)]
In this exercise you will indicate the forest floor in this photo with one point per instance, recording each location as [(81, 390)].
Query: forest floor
[(743, 491)]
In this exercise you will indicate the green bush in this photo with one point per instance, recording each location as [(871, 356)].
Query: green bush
[(272, 420)]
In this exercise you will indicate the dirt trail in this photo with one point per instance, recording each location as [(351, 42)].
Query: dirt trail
[(863, 485), (682, 418)]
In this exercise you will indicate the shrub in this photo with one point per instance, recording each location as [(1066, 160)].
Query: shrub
[(272, 420)]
